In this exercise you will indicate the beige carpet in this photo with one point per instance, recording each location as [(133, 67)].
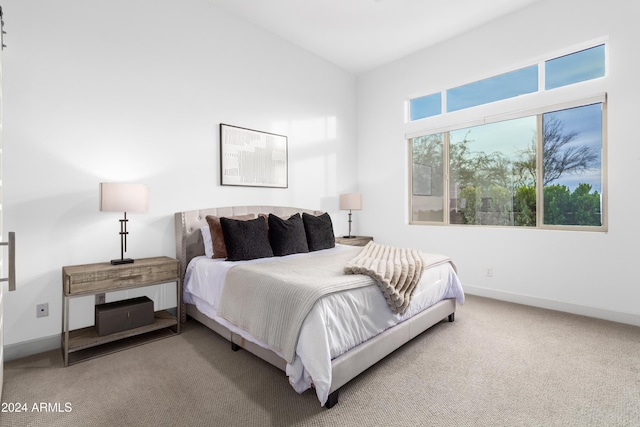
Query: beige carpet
[(498, 364)]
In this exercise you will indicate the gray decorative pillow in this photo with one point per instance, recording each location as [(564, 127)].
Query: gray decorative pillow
[(246, 240), (319, 231), (287, 236)]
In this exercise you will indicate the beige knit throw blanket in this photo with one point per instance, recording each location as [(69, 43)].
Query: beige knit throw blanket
[(396, 270), (271, 300)]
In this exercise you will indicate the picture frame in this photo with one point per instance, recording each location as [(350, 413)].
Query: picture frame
[(253, 158)]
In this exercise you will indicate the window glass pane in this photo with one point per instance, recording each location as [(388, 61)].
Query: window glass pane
[(426, 106), (576, 67), (572, 166), (492, 174), (504, 86), (427, 184)]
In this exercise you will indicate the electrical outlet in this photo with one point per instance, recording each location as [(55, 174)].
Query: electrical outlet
[(489, 272), (42, 310), (100, 299)]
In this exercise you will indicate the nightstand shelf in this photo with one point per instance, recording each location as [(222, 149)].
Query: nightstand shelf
[(80, 339), (81, 355), (90, 279)]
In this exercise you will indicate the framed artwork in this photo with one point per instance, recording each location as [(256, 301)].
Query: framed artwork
[(252, 158)]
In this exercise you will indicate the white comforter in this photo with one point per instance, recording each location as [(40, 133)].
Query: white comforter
[(337, 322)]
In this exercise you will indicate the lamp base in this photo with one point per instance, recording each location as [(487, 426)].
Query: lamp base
[(349, 237), (121, 261)]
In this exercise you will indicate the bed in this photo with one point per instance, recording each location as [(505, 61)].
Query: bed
[(324, 364)]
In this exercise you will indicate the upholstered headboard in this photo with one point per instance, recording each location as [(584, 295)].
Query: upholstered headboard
[(189, 243)]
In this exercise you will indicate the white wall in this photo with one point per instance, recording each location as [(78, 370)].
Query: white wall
[(587, 273), (134, 91)]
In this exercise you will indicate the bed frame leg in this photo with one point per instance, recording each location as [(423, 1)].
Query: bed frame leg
[(235, 347), (452, 317), (332, 400)]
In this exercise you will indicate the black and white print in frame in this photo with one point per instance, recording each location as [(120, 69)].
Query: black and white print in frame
[(252, 158)]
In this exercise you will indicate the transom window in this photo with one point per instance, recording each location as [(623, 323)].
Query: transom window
[(575, 67), (425, 106), (504, 86)]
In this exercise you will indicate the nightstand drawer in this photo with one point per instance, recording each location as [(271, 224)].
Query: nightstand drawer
[(354, 241), (85, 279)]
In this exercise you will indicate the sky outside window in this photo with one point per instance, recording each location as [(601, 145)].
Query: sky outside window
[(576, 67), (425, 106), (586, 123), (504, 86)]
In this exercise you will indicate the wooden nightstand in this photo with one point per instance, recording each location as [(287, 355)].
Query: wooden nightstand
[(91, 279), (354, 241)]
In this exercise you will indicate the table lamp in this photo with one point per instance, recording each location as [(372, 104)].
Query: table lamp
[(120, 197), (350, 201)]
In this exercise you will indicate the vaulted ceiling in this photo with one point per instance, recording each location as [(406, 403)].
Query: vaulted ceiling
[(360, 35)]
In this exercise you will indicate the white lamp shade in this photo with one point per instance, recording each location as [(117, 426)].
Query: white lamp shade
[(351, 201), (119, 197)]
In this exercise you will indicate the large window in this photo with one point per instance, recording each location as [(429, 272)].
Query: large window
[(538, 170)]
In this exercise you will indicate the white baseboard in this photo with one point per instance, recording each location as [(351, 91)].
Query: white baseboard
[(29, 348), (599, 313)]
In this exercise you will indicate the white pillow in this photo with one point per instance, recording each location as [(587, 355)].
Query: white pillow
[(208, 243)]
